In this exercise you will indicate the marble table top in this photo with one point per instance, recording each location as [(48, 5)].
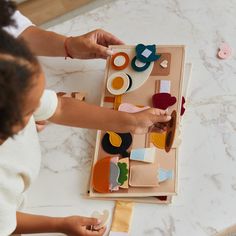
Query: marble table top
[(207, 161)]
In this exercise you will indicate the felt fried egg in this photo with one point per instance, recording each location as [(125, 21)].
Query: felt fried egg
[(118, 83)]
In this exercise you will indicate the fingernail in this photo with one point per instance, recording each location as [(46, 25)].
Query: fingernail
[(99, 222), (109, 52), (169, 117)]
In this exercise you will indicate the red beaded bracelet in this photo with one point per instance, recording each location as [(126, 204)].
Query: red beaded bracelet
[(66, 48)]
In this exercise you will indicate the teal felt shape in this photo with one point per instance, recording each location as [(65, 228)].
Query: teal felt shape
[(146, 53), (139, 69)]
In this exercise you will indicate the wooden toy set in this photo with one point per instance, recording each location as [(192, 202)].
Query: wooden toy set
[(141, 168)]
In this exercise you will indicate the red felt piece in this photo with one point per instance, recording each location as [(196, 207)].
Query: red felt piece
[(182, 106), (163, 100)]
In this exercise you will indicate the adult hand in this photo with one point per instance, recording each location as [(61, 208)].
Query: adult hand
[(81, 226), (92, 45)]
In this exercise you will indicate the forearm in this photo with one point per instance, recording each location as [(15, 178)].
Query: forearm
[(44, 43), (27, 223), (75, 113)]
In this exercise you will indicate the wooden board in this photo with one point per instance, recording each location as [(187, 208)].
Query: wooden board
[(142, 97)]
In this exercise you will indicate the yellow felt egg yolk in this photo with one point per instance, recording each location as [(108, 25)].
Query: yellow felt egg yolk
[(117, 83), (158, 139), (115, 139)]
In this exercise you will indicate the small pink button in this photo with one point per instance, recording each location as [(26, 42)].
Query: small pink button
[(224, 51)]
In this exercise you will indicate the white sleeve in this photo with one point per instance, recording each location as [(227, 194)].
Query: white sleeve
[(48, 106), (22, 23), (9, 192)]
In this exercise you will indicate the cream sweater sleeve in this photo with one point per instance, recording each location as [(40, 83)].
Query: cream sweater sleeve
[(48, 106)]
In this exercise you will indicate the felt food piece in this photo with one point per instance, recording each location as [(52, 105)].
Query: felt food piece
[(138, 65), (120, 61), (182, 106), (158, 139), (123, 176), (109, 99), (101, 175), (143, 175), (117, 102), (118, 83), (162, 66), (103, 217), (224, 51), (146, 53), (122, 217), (123, 172), (122, 149), (143, 154), (164, 175), (164, 86), (163, 100), (114, 139), (170, 133), (130, 108), (114, 175)]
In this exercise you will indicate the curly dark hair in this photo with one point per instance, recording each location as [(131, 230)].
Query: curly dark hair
[(7, 9), (18, 66)]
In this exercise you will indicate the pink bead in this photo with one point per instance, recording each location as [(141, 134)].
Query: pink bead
[(224, 51)]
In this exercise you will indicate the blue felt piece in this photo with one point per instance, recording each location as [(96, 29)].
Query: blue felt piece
[(137, 154), (146, 53), (139, 69), (165, 175)]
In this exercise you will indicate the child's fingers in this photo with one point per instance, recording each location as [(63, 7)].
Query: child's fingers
[(160, 116), (87, 232), (86, 221)]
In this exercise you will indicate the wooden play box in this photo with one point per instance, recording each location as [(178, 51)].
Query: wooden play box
[(164, 79)]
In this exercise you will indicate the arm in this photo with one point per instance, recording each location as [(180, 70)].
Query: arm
[(75, 113), (73, 225), (91, 45)]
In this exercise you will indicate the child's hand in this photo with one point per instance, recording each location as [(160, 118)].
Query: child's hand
[(92, 45), (81, 226), (150, 119)]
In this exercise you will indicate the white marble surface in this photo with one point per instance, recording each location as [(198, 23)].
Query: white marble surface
[(207, 162)]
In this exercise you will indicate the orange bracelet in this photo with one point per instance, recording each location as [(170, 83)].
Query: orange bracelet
[(66, 48)]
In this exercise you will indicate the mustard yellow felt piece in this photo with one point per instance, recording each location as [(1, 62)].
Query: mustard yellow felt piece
[(158, 139), (122, 216), (114, 138)]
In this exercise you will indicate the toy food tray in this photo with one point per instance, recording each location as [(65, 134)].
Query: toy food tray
[(147, 162)]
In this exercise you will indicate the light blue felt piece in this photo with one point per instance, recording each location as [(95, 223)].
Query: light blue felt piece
[(164, 174), (137, 154)]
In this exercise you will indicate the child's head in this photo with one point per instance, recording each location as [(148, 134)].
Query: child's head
[(21, 85)]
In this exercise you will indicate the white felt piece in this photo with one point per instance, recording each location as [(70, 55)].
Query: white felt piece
[(119, 60), (165, 86), (146, 53), (118, 233), (164, 64), (138, 78), (103, 217), (139, 63)]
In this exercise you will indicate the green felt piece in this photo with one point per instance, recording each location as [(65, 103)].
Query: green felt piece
[(123, 173)]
